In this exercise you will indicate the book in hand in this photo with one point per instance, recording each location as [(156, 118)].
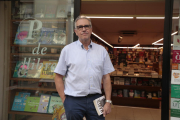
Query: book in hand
[(99, 104)]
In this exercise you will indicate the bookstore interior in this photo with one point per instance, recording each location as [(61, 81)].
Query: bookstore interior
[(132, 34)]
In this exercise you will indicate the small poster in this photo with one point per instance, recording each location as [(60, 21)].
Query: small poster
[(175, 77), (176, 42), (176, 56), (175, 107), (174, 66), (175, 91)]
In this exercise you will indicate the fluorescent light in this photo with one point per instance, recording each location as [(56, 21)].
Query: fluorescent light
[(161, 44), (150, 17), (102, 39), (158, 41), (176, 17), (137, 45), (174, 33), (111, 17)]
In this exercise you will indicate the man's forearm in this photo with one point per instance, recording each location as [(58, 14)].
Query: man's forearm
[(107, 86), (60, 86)]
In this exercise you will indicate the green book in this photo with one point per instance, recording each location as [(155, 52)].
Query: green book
[(54, 103), (32, 104)]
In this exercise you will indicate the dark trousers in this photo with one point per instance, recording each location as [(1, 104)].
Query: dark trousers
[(78, 107)]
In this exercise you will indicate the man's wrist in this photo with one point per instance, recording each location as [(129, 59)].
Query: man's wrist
[(109, 101)]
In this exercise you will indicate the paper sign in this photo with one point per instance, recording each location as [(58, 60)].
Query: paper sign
[(176, 42), (174, 118), (175, 91), (174, 66), (175, 77), (175, 107), (176, 56)]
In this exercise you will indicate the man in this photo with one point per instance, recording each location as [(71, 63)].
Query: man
[(84, 64)]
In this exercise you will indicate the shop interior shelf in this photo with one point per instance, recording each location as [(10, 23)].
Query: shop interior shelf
[(43, 19), (133, 76), (146, 88), (33, 79), (30, 54), (30, 113), (29, 45)]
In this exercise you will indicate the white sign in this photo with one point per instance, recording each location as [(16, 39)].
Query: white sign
[(175, 118), (176, 42), (175, 77)]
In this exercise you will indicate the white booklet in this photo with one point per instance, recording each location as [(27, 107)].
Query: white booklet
[(99, 104)]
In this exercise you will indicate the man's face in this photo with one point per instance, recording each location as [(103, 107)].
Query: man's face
[(83, 33)]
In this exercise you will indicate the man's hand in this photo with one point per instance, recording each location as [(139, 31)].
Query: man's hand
[(63, 99), (106, 109)]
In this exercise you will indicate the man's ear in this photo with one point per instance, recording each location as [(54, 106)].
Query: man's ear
[(75, 31)]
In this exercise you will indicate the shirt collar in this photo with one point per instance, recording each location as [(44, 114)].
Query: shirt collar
[(81, 45)]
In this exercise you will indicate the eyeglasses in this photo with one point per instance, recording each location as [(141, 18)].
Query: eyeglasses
[(80, 27)]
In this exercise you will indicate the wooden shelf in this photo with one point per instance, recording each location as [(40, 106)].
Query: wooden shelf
[(137, 102), (31, 88), (30, 45), (132, 76), (42, 19), (30, 54), (30, 113), (32, 79), (146, 88)]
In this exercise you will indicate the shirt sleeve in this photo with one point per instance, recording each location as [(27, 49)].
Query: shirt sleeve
[(61, 67), (107, 65)]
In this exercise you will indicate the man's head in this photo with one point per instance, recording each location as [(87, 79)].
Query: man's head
[(83, 28)]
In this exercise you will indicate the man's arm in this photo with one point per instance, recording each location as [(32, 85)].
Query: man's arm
[(60, 86), (107, 90)]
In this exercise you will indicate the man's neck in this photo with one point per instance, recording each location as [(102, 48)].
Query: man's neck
[(85, 43)]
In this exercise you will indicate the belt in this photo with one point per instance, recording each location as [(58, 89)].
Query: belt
[(90, 95)]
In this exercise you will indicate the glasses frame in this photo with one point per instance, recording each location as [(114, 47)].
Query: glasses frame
[(87, 27)]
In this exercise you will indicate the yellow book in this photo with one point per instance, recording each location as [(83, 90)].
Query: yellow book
[(47, 71)]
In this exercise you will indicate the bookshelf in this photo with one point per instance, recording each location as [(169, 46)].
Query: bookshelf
[(35, 46)]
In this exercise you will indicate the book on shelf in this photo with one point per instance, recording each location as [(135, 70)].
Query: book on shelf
[(133, 81), (99, 104), (152, 82), (34, 70), (114, 93), (62, 11), (43, 104), (29, 11), (159, 94), (136, 94), (116, 80), (22, 33), (127, 81), (143, 94), (32, 104), (120, 93), (139, 82), (131, 93), (40, 10), (145, 82), (59, 36), (20, 101), (20, 70), (125, 92), (54, 104), (47, 71), (50, 11), (120, 73), (121, 81), (47, 35)]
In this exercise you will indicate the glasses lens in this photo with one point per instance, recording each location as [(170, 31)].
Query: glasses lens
[(80, 27)]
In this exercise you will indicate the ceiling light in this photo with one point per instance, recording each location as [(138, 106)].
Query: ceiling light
[(137, 45), (111, 17), (161, 44), (150, 17), (102, 39), (174, 33)]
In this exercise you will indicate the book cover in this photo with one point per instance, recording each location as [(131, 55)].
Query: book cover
[(176, 42), (22, 34), (127, 81), (99, 104), (139, 82), (34, 71), (43, 104), (131, 93), (145, 82), (32, 104), (133, 81), (116, 80), (20, 70), (175, 77), (136, 94), (40, 10), (20, 101), (174, 66), (47, 71), (54, 103), (62, 11), (114, 93), (160, 95), (59, 36), (176, 56), (121, 81), (50, 11), (47, 35), (143, 94), (59, 114), (120, 93), (29, 12), (152, 82), (125, 92)]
